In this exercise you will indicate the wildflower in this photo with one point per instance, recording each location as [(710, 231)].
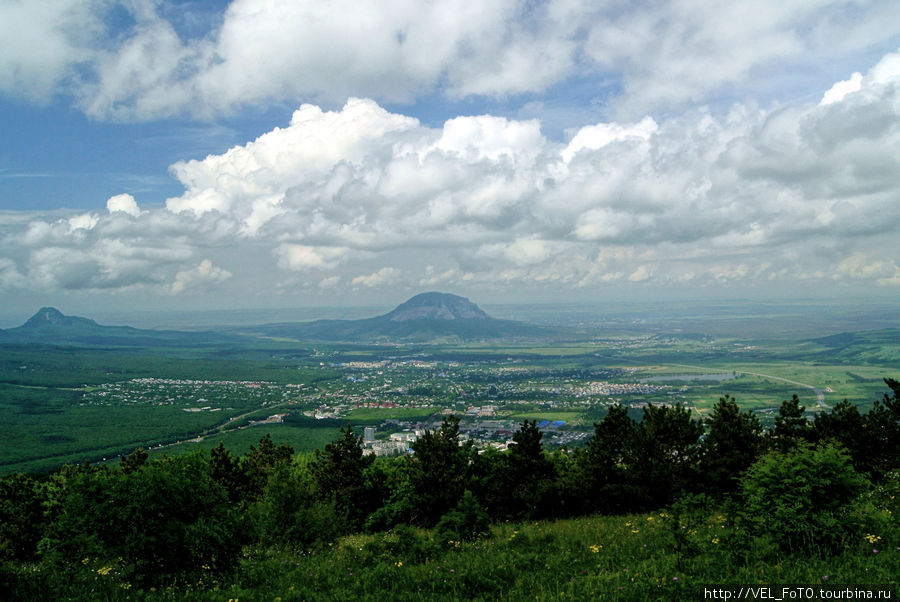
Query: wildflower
[(635, 530), (399, 563), (874, 551), (873, 538), (85, 561), (674, 578), (715, 540), (104, 571), (452, 571), (824, 577), (596, 548)]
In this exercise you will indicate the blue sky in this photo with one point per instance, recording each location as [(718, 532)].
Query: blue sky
[(285, 153)]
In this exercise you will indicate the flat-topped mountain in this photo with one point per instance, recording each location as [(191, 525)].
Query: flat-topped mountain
[(436, 306), (425, 317)]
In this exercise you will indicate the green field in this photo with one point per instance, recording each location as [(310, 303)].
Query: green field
[(301, 438), (362, 416), (567, 416), (51, 410)]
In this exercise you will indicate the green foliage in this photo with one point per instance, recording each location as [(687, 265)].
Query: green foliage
[(467, 522), (225, 469), (21, 517), (166, 522), (94, 532), (791, 426), (288, 514), (339, 473), (516, 485), (259, 462), (603, 465), (388, 481), (802, 498), (438, 474), (733, 442), (662, 455), (133, 461)]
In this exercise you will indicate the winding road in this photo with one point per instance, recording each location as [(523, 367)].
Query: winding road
[(820, 393)]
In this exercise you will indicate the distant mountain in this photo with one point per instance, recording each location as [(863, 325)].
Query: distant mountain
[(425, 317), (50, 318), (50, 326), (436, 306)]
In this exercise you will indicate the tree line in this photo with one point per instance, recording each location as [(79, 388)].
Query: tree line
[(175, 520)]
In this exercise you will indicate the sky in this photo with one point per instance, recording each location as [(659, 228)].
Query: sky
[(293, 153)]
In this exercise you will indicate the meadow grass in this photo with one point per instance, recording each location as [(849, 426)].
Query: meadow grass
[(650, 556)]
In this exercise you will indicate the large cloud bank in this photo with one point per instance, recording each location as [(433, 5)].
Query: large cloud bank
[(145, 60), (362, 197)]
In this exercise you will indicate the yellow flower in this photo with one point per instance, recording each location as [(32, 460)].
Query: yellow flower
[(104, 571), (873, 538), (715, 540), (596, 548), (399, 563), (125, 586)]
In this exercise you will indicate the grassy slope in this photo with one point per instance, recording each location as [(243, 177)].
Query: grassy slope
[(611, 558)]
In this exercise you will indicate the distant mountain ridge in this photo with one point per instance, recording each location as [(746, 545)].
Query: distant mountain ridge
[(49, 326), (424, 317)]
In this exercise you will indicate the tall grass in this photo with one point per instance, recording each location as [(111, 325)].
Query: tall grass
[(655, 556)]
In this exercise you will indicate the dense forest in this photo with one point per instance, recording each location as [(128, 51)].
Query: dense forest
[(187, 523)]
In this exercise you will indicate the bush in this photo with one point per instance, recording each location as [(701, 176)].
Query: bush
[(167, 522), (803, 499), (468, 521)]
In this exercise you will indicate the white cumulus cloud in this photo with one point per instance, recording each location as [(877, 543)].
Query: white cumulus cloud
[(124, 203), (202, 274), (366, 197)]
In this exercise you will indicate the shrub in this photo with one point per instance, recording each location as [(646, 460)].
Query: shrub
[(802, 498), (167, 522), (468, 521)]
